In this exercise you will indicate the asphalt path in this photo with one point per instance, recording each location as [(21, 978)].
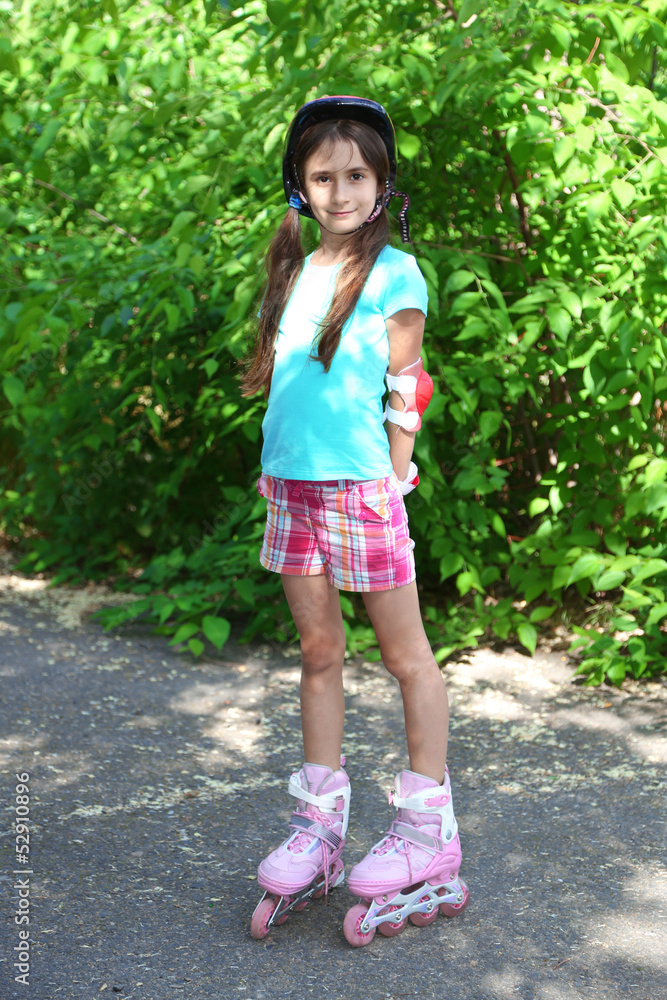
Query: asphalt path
[(157, 784)]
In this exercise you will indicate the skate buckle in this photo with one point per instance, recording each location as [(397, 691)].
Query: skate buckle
[(438, 802)]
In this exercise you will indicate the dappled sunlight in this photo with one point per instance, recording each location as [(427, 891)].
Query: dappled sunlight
[(210, 699), (492, 704), (505, 983), (70, 606), (18, 746), (152, 722), (538, 696), (651, 746), (557, 991), (234, 723), (637, 932)]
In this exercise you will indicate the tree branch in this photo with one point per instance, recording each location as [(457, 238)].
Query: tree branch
[(91, 211), (523, 208)]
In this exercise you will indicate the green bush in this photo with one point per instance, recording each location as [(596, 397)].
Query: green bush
[(140, 147)]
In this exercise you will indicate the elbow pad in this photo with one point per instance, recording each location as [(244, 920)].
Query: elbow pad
[(415, 387)]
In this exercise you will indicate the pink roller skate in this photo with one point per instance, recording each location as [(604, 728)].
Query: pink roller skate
[(309, 862), (413, 871)]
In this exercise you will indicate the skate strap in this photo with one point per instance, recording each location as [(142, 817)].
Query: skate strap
[(330, 802), (307, 825), (420, 803), (403, 831)]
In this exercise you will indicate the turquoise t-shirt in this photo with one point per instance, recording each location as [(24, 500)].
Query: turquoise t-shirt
[(328, 425)]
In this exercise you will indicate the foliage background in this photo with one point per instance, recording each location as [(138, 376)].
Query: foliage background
[(140, 148)]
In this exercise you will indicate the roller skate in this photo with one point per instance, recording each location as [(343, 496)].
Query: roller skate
[(412, 873), (309, 862)]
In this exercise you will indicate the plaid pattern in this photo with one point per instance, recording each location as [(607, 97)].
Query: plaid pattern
[(355, 532)]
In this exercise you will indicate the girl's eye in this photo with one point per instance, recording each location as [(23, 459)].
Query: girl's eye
[(358, 177)]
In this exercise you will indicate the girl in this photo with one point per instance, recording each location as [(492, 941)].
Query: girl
[(332, 326)]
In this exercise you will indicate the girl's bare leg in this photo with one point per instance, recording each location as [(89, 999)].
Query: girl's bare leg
[(407, 655), (315, 607)]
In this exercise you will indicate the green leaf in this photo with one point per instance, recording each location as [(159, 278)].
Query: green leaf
[(656, 471), (610, 580), (489, 423), (560, 320), (464, 302), (584, 568), (502, 627), (458, 280), (657, 614), (650, 568), (216, 630), (467, 9), (616, 671), (181, 220), (537, 506), (196, 647), (13, 388), (597, 205), (617, 67), (183, 633), (46, 139), (166, 608), (497, 524), (623, 192), (408, 145), (450, 564), (527, 634), (542, 612)]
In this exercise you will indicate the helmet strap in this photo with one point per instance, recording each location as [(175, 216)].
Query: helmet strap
[(298, 201), (403, 215)]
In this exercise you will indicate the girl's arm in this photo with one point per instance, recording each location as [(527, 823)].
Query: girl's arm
[(405, 330)]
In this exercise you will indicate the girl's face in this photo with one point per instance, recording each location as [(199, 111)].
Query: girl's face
[(340, 187)]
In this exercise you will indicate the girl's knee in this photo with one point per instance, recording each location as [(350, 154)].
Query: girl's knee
[(322, 651), (410, 666)]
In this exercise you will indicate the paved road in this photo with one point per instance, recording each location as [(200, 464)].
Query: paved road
[(157, 785)]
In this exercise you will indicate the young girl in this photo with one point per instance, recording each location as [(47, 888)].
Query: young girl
[(332, 327)]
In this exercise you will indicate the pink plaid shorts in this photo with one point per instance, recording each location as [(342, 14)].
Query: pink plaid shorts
[(355, 532)]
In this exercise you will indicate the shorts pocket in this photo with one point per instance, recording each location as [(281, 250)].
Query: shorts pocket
[(370, 504)]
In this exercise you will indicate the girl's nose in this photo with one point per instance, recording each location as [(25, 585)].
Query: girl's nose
[(339, 194)]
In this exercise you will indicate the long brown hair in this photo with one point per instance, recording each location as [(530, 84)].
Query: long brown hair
[(285, 257)]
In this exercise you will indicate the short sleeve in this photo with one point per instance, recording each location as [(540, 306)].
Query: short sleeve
[(404, 286)]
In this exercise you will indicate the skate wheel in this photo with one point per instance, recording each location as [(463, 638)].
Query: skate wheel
[(301, 906), (259, 924), (352, 927), (388, 928), (424, 919), (453, 909)]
